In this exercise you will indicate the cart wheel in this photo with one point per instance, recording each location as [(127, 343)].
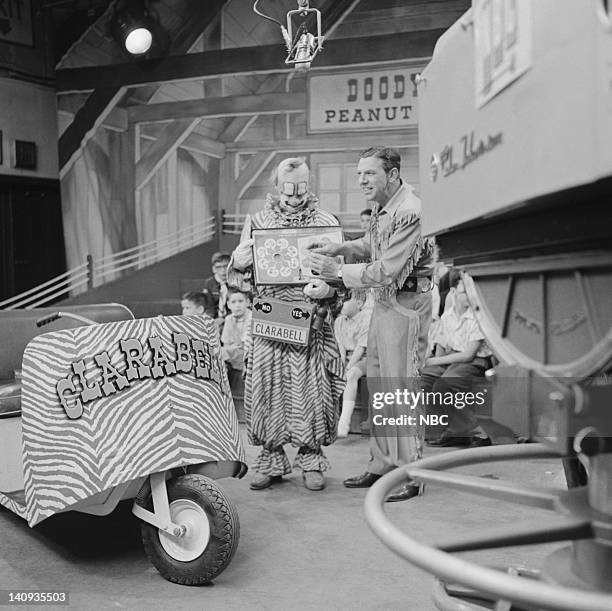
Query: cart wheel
[(211, 536)]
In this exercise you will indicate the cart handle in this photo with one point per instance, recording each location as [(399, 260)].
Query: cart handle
[(45, 320)]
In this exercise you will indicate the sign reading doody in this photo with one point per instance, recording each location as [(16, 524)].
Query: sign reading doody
[(373, 99)]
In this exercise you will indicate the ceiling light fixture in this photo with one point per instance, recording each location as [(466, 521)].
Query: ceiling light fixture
[(136, 30)]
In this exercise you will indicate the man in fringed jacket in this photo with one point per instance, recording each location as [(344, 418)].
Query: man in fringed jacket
[(400, 272)]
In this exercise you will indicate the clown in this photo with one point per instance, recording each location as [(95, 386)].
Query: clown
[(291, 391)]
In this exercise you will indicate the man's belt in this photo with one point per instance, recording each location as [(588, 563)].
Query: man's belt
[(417, 284)]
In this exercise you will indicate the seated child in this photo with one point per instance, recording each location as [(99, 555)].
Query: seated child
[(461, 357), (194, 303), (351, 330), (235, 329)]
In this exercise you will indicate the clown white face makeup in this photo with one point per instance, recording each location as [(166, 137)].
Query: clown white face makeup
[(296, 177)]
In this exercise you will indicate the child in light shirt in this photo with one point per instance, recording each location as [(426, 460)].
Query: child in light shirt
[(236, 326), (351, 330)]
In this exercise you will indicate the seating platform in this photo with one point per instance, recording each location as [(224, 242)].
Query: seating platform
[(10, 398)]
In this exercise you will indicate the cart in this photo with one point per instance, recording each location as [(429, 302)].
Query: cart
[(104, 408)]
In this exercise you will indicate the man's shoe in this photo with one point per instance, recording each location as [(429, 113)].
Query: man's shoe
[(364, 480), (313, 480), (479, 442), (448, 441), (261, 481), (407, 491)]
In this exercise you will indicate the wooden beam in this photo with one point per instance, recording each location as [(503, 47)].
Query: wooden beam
[(160, 151), (227, 186), (105, 98), (194, 143), (254, 168), (201, 144), (270, 103), (247, 60), (116, 120), (403, 138), (86, 121), (239, 125), (127, 186), (334, 14)]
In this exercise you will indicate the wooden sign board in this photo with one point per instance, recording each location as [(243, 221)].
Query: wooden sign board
[(358, 101), (282, 321)]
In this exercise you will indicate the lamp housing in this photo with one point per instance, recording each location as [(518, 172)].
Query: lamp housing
[(136, 30)]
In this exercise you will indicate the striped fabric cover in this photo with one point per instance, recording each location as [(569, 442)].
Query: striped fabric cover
[(147, 427), (13, 503)]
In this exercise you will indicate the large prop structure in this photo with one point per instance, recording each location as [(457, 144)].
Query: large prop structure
[(516, 176)]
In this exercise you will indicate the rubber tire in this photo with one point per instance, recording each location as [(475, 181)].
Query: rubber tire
[(224, 532)]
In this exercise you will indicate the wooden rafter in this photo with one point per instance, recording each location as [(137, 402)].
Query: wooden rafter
[(254, 168), (201, 144), (168, 141), (326, 142), (194, 143), (271, 103), (248, 60), (116, 120), (85, 123), (238, 125), (103, 99)]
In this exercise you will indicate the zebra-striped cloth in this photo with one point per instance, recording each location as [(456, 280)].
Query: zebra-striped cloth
[(164, 420), (291, 392)]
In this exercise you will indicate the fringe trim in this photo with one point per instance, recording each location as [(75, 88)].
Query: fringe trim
[(425, 247), (421, 249)]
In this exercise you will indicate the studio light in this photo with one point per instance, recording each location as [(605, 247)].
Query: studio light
[(138, 41), (136, 30)]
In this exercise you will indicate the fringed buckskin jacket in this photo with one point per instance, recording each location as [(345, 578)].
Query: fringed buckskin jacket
[(395, 246)]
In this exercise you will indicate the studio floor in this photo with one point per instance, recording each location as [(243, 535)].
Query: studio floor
[(298, 549)]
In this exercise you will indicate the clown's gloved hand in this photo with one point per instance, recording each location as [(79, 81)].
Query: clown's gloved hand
[(318, 289), (243, 255)]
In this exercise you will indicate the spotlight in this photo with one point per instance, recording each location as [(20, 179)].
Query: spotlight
[(138, 41), (136, 30)]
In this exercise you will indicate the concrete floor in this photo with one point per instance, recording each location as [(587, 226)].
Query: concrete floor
[(298, 549)]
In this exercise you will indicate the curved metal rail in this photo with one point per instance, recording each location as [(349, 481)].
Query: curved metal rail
[(482, 579)]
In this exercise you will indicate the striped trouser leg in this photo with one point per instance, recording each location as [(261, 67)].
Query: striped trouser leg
[(309, 459), (272, 462)]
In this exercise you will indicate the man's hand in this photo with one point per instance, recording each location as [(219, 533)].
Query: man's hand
[(243, 255), (318, 289), (325, 248), (326, 267)]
